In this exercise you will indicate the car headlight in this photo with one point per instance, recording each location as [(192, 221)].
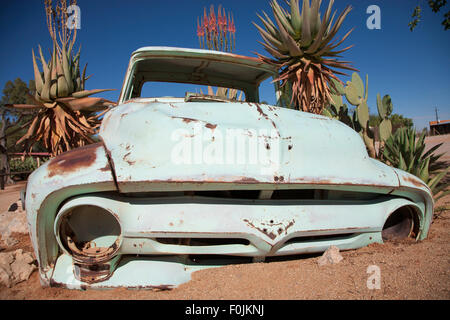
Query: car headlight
[(90, 234)]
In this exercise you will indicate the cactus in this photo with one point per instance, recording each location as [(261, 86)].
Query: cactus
[(62, 77), (286, 95), (66, 116), (362, 113), (300, 43), (357, 94), (385, 108)]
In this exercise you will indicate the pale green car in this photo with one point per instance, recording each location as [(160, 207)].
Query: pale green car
[(183, 183)]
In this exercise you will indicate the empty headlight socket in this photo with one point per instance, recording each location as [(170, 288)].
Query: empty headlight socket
[(92, 236)]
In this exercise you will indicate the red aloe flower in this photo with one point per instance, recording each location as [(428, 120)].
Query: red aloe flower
[(204, 27), (212, 21), (205, 21), (224, 20), (219, 18), (200, 31), (233, 27), (215, 28)]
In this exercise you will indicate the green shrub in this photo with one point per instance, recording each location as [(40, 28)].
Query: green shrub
[(29, 164), (406, 152)]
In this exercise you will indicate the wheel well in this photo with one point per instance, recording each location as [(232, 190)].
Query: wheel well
[(402, 223)]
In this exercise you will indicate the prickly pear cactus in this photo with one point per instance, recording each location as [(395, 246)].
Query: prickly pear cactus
[(385, 108), (356, 94)]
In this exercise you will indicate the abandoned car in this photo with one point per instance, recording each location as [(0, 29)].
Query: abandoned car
[(183, 183)]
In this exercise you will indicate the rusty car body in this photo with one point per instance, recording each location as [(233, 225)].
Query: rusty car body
[(167, 191)]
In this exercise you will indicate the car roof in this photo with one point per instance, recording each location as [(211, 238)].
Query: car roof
[(222, 64)]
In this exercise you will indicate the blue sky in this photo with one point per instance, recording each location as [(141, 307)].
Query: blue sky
[(413, 67)]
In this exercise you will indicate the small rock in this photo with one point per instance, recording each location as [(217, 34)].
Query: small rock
[(5, 261), (22, 267), (15, 267), (9, 241), (330, 256), (5, 278), (5, 269)]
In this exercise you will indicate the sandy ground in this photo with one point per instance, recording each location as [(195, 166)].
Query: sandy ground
[(10, 194)]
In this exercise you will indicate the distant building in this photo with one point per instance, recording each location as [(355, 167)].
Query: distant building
[(439, 127)]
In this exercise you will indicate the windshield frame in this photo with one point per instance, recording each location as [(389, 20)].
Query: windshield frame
[(135, 79)]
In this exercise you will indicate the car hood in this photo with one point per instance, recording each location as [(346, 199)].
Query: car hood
[(157, 145)]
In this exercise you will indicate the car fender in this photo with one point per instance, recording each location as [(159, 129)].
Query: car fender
[(80, 171)]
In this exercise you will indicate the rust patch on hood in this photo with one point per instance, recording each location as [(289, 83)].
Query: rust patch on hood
[(187, 120), (211, 126), (125, 158), (106, 168), (416, 182), (73, 160), (265, 116), (258, 107)]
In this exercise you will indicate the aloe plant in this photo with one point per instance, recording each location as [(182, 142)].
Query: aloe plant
[(301, 44), (404, 151), (67, 116), (226, 93), (218, 34)]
